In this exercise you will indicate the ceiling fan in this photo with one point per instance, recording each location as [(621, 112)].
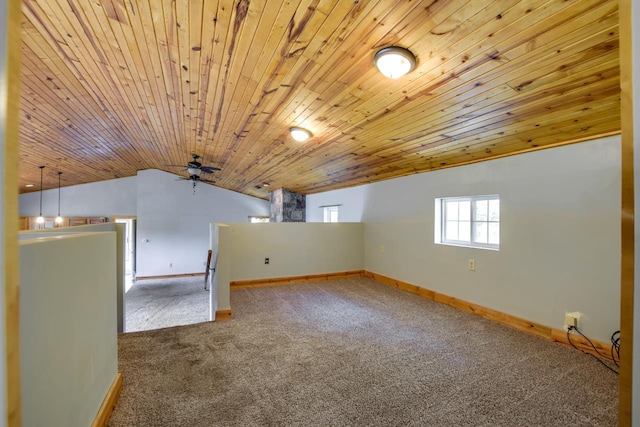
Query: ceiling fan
[(195, 168)]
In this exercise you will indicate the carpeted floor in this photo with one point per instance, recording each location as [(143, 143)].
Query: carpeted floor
[(161, 303), (355, 353)]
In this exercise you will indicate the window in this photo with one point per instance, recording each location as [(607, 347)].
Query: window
[(330, 213), (257, 219), (468, 221)]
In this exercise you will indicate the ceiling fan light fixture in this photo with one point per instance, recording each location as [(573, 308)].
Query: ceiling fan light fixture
[(300, 134), (194, 171), (394, 61)]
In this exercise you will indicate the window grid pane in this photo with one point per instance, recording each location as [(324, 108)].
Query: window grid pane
[(471, 221)]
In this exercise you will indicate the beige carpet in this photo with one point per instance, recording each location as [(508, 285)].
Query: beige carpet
[(161, 303), (355, 353)]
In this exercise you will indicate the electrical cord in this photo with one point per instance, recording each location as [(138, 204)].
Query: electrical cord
[(615, 346), (601, 356)]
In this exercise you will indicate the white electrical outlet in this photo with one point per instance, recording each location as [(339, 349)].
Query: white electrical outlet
[(571, 319), (381, 249), (472, 265)]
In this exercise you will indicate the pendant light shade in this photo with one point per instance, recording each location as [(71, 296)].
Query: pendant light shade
[(394, 61), (40, 219), (59, 218)]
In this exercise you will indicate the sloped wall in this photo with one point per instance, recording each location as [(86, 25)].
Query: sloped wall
[(560, 234)]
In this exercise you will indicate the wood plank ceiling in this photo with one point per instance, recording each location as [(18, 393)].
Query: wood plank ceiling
[(110, 87)]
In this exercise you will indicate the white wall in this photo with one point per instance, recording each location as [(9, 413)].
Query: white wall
[(295, 249), (103, 198), (173, 223), (560, 234), (352, 201), (68, 336)]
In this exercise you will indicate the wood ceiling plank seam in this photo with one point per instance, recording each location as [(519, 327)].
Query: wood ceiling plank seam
[(134, 64), (223, 18), (272, 44), (247, 88), (468, 91), (113, 92), (38, 21), (557, 138), (465, 142), (530, 123), (319, 27), (591, 11), (225, 53), (206, 91), (167, 19), (594, 18), (580, 69), (156, 20), (181, 10), (389, 152), (451, 71), (72, 113), (196, 30), (59, 72), (436, 132), (230, 104), (236, 61), (362, 50), (150, 57)]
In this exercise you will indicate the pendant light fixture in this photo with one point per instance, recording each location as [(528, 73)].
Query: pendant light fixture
[(394, 61), (40, 219), (59, 218)]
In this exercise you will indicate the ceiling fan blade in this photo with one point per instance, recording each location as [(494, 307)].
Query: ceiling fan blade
[(209, 169), (207, 180)]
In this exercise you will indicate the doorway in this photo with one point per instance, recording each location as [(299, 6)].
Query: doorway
[(130, 250)]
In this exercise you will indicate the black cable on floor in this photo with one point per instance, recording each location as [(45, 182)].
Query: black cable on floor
[(570, 328)]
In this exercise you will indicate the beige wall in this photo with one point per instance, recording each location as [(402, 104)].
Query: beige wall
[(67, 327), (295, 249)]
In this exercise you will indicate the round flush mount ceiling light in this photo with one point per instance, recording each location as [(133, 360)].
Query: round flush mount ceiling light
[(300, 134), (394, 61)]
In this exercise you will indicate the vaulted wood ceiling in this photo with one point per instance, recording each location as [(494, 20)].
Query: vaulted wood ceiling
[(110, 87)]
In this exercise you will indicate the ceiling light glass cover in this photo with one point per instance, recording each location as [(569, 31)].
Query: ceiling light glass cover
[(300, 134), (394, 62)]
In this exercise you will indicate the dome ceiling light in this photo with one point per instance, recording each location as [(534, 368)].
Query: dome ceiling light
[(300, 134), (394, 61)]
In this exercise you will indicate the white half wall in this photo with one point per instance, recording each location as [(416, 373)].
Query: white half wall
[(294, 249), (103, 198), (173, 222), (560, 234), (68, 353), (119, 229)]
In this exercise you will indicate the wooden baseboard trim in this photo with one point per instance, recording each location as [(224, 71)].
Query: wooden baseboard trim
[(223, 315), (110, 400), (169, 276), (557, 335), (277, 281)]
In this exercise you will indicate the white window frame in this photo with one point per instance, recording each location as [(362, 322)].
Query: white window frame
[(440, 223), (331, 213)]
